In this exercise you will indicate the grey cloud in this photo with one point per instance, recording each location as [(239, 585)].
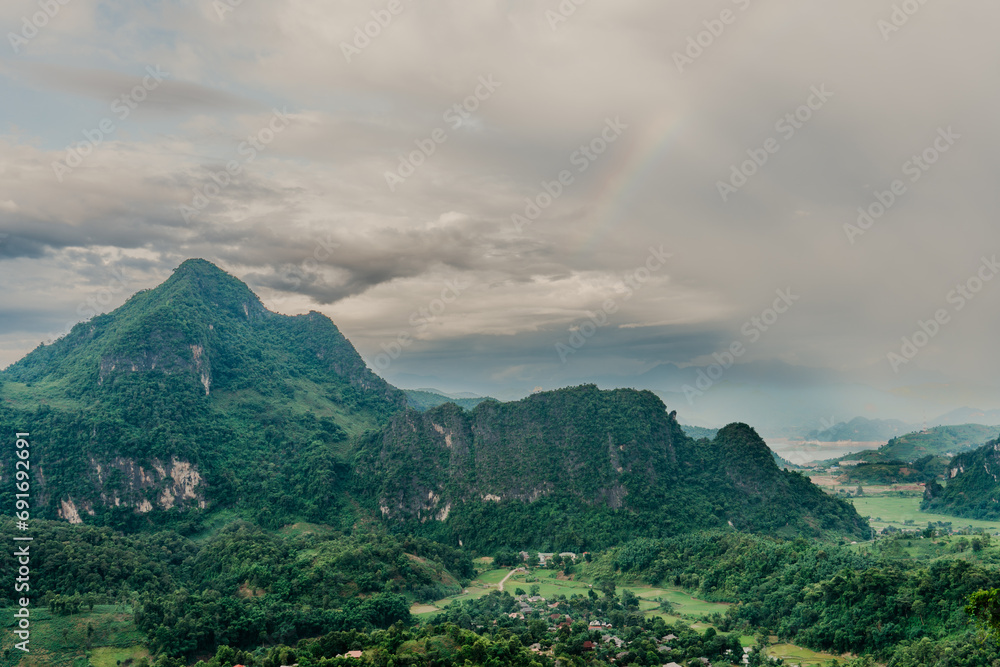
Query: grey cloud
[(169, 96), (324, 179)]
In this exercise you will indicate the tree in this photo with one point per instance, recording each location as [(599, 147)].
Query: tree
[(506, 558), (984, 606)]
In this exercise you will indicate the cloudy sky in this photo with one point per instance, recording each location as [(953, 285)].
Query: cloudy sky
[(499, 195)]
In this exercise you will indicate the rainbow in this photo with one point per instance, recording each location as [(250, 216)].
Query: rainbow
[(620, 187)]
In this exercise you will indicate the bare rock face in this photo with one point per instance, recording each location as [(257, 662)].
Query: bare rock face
[(124, 482)]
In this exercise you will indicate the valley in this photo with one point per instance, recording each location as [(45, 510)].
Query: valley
[(218, 484)]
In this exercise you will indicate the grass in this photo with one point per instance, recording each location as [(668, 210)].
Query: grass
[(303, 528), (214, 523), (895, 511), (423, 609), (61, 641), (797, 655), (492, 577), (111, 657), (686, 607), (549, 586), (52, 394), (684, 604)]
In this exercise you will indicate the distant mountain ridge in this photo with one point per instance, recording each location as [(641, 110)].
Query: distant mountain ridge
[(935, 441), (862, 429), (420, 399), (698, 432), (917, 457)]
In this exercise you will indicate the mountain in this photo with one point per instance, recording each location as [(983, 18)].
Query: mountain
[(420, 399), (698, 432), (193, 399), (193, 395), (861, 429), (916, 457), (454, 394), (972, 489), (945, 441), (969, 416), (581, 467)]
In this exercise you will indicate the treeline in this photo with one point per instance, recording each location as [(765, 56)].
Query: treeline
[(243, 586), (482, 633), (822, 596), (924, 469), (183, 624)]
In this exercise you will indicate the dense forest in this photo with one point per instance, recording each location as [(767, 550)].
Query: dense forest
[(972, 489), (823, 596)]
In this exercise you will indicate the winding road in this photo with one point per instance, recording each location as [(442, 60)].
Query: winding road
[(509, 575)]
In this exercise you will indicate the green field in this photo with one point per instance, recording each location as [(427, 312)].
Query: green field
[(684, 604), (61, 641), (796, 655), (894, 511), (686, 607), (492, 577), (550, 586)]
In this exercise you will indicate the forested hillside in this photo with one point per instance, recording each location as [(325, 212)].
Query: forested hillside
[(582, 467), (973, 486), (192, 396)]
